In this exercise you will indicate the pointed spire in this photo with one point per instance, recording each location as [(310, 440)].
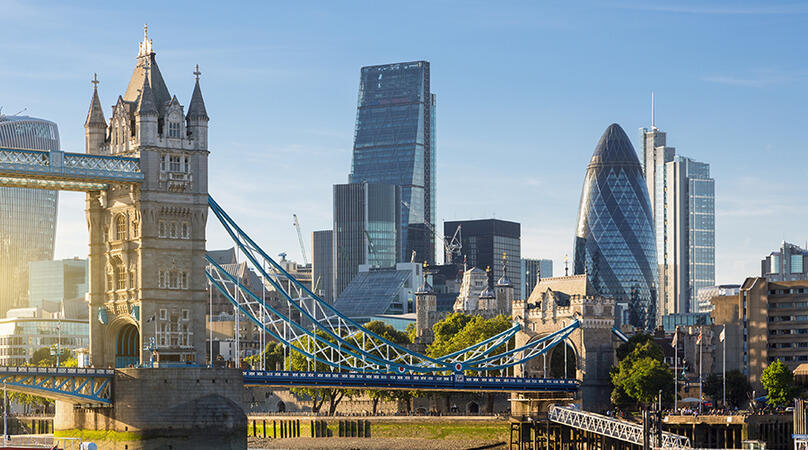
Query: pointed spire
[(196, 109), (504, 281), (145, 104), (95, 116), (145, 48), (488, 292)]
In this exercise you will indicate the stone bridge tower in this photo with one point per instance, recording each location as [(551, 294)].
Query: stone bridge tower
[(147, 242), (553, 304)]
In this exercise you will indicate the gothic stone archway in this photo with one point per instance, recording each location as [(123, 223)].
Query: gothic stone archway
[(127, 343)]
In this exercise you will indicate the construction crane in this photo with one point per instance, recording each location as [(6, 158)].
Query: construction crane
[(450, 246), (300, 238), (371, 246)]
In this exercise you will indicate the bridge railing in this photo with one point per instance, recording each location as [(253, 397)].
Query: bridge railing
[(70, 171), (611, 427), (425, 381), (83, 371)]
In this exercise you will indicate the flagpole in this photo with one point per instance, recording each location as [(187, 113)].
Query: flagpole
[(701, 382), (724, 363), (675, 367)]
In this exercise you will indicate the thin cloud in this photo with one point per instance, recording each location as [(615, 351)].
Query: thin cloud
[(731, 10), (757, 79)]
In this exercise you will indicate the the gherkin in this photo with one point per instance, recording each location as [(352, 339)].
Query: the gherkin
[(614, 240)]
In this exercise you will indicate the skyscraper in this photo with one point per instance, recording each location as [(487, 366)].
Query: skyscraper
[(322, 264), (485, 242), (394, 143), (366, 229), (28, 219), (614, 241), (53, 282), (682, 198)]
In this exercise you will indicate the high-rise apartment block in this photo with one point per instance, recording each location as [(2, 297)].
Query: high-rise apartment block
[(531, 269), (394, 143), (788, 263), (484, 244), (28, 219), (682, 198), (367, 229), (766, 321)]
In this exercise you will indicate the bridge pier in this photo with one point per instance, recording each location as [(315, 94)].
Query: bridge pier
[(167, 408)]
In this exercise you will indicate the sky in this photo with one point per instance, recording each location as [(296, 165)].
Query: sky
[(524, 91)]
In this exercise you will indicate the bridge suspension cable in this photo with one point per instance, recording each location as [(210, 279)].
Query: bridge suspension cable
[(325, 335)]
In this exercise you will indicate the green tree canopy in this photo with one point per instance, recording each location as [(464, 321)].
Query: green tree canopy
[(641, 374), (638, 339), (397, 337), (388, 332), (778, 380), (458, 331), (643, 378)]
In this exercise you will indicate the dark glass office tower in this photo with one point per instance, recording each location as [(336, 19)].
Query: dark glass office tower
[(394, 143), (366, 229), (614, 242), (485, 242)]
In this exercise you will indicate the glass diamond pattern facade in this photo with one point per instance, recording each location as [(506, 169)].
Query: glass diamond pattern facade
[(614, 241), (394, 143)]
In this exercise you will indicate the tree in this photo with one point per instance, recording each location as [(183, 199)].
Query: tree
[(738, 387), (397, 337), (272, 355), (627, 347), (640, 375), (318, 396), (411, 332), (778, 380), (645, 379), (458, 331)]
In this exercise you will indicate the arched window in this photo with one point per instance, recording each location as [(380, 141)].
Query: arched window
[(120, 274), (173, 229), (120, 227)]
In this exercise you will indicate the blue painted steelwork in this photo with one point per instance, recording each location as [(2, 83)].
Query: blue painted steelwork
[(620, 335), (338, 341), (71, 384), (455, 382), (65, 171)]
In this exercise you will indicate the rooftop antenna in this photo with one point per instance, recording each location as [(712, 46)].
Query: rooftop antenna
[(21, 111), (653, 122)]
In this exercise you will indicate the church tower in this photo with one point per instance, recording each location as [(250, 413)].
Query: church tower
[(147, 242)]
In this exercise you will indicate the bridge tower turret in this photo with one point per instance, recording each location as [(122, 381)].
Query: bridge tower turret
[(147, 242), (425, 310), (95, 127)]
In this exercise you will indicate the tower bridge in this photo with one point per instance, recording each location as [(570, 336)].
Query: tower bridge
[(146, 181)]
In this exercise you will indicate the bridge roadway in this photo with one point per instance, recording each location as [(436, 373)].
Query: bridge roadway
[(384, 381), (65, 171), (94, 387)]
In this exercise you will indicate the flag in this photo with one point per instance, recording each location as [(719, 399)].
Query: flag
[(154, 316), (698, 341), (723, 334), (675, 337)]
